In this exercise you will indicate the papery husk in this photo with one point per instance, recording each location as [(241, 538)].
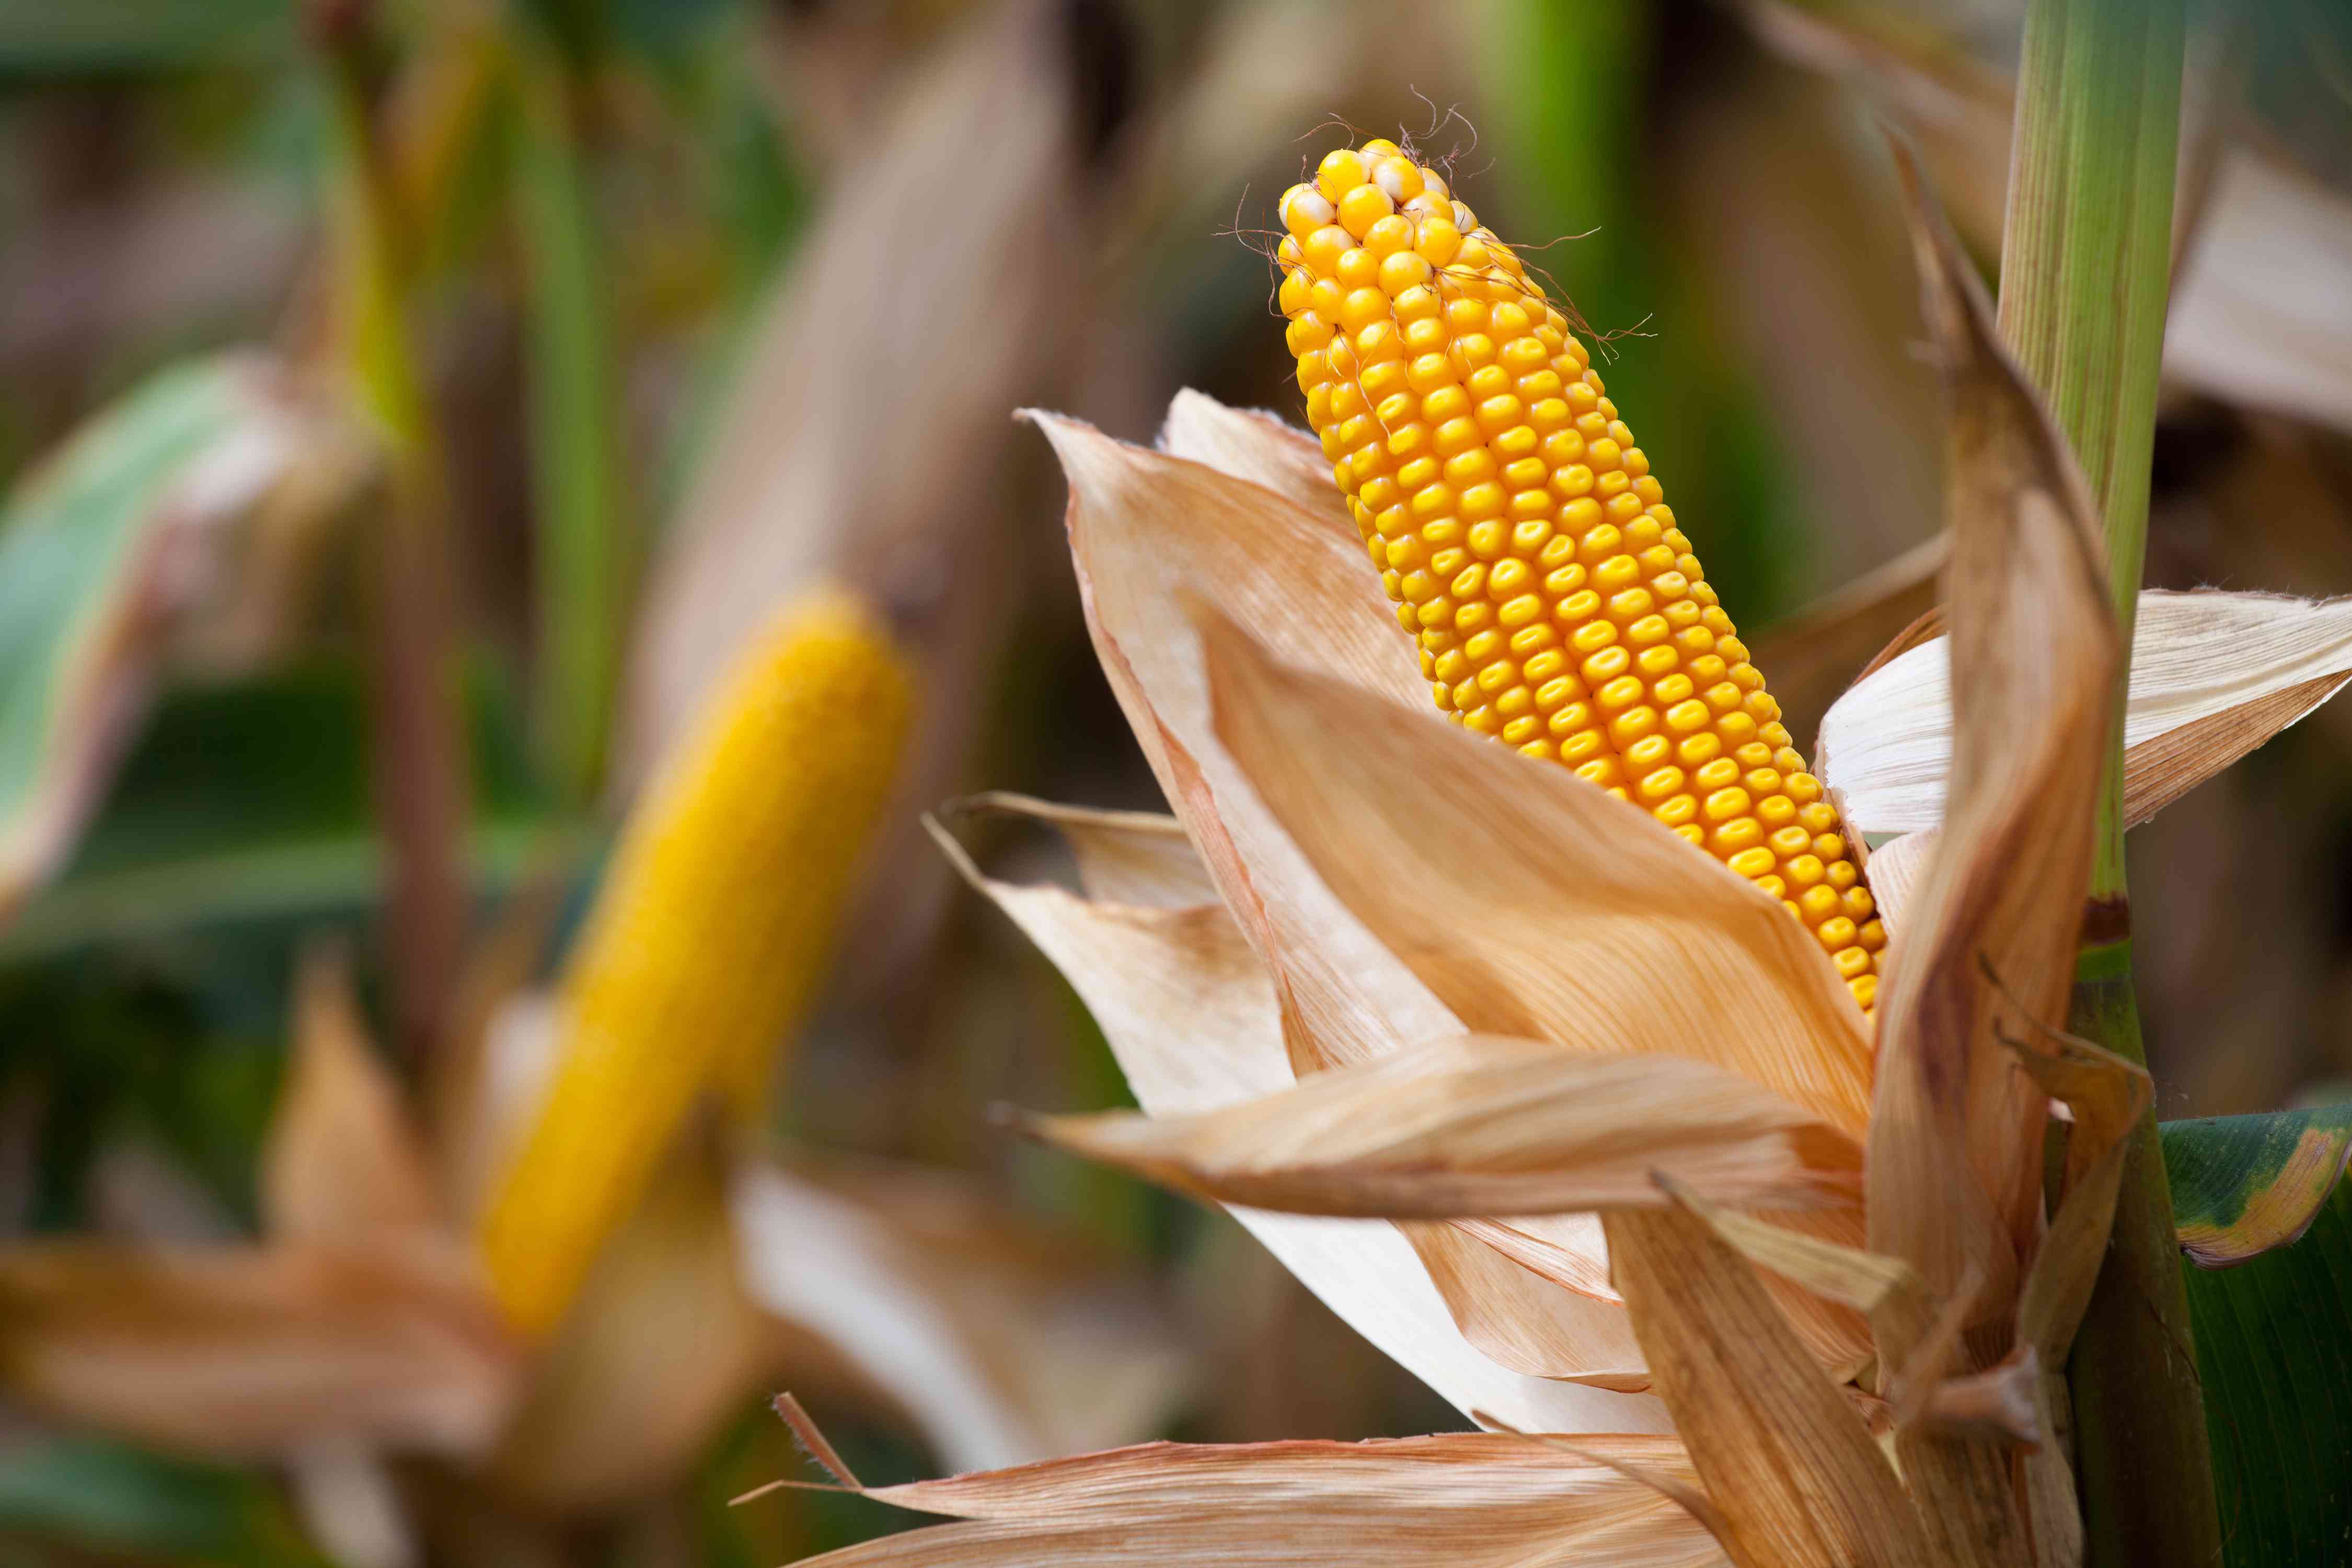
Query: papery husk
[(1987, 951), (1463, 1500), (2214, 674), (1533, 905), (1151, 537), (1486, 1125), (1192, 1018), (1795, 1473)]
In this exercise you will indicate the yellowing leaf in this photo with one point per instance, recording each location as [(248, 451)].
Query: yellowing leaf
[(1486, 1125)]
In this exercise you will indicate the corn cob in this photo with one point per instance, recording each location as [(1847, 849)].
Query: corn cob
[(1525, 543), (709, 934)]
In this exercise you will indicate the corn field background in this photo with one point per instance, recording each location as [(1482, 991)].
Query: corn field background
[(450, 389)]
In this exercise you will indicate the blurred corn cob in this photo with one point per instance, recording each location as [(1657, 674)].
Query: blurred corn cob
[(711, 931), (1525, 543)]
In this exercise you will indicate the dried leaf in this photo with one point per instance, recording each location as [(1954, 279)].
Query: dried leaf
[(251, 1352), (1137, 857), (1261, 447), (1790, 1465), (1861, 1280), (1533, 905), (2001, 1402), (1463, 1500), (2214, 674), (924, 246), (1192, 1016), (1988, 950), (1002, 1342), (342, 1161), (1486, 1125), (2108, 1095), (106, 552), (1151, 536)]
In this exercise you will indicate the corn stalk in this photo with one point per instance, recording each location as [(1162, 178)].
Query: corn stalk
[(2086, 260)]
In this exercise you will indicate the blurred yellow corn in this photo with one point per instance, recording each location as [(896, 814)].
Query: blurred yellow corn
[(712, 927), (1525, 543)]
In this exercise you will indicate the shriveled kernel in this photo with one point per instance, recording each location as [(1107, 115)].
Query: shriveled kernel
[(1528, 541)]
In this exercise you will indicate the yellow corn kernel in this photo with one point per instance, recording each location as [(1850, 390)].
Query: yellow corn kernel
[(1459, 410), (712, 927)]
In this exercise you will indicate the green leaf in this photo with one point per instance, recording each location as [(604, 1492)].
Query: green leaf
[(247, 802), (110, 1497), (102, 550), (2274, 1351), (81, 37), (2245, 1185)]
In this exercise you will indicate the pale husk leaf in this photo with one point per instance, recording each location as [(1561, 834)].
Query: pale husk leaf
[(2108, 1094), (1464, 1500), (2214, 674), (1486, 1125), (1795, 1473), (1988, 949), (1004, 1342), (1192, 1016)]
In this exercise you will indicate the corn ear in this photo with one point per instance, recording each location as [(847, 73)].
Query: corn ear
[(711, 931), (1528, 547)]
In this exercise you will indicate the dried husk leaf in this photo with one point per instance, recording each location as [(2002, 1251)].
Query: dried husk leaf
[(1192, 1016), (1988, 950), (1265, 449), (248, 1353), (2214, 674), (1862, 1280), (1004, 1342), (341, 1161), (1534, 906), (1464, 1501), (1152, 537), (1486, 1125), (1795, 1473), (2108, 1094)]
